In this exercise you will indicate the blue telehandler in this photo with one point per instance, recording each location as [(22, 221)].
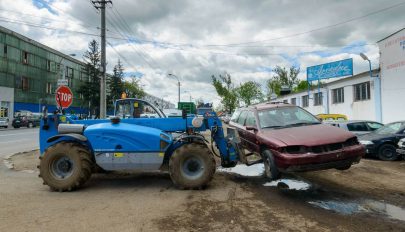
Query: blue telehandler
[(137, 138)]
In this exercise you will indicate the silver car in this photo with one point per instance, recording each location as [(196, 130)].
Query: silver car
[(4, 122), (357, 127)]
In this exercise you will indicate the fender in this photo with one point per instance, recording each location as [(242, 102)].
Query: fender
[(78, 137)]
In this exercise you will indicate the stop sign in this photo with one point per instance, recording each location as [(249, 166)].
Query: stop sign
[(63, 97)]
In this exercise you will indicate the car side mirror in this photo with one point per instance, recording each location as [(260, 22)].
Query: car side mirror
[(253, 128)]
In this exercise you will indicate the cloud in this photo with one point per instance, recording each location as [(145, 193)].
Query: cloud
[(154, 38)]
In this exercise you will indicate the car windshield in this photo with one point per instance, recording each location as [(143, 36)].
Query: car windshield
[(281, 117), (391, 128)]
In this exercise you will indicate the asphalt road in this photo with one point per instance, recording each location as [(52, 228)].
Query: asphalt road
[(18, 140)]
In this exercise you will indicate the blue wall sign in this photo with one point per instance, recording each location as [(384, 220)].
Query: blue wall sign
[(329, 70)]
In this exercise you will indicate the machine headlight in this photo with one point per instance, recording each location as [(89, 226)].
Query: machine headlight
[(366, 142), (197, 122)]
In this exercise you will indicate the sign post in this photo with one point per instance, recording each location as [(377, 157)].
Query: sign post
[(63, 97)]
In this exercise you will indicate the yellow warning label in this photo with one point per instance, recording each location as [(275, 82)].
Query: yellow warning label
[(118, 155), (63, 118), (161, 154), (136, 104)]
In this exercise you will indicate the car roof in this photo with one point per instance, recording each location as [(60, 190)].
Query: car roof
[(266, 105), (348, 121)]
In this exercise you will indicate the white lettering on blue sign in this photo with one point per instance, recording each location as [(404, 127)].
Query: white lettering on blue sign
[(335, 69)]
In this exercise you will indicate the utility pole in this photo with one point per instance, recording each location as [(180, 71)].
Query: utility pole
[(101, 5)]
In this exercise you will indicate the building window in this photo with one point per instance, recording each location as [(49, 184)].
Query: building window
[(25, 57), (305, 101), (25, 83), (285, 101), (338, 95), (361, 91), (49, 88), (318, 99), (48, 65), (5, 51), (294, 101)]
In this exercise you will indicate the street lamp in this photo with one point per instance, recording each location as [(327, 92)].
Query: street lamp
[(377, 89), (178, 82)]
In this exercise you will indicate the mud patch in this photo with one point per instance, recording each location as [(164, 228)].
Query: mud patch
[(26, 161)]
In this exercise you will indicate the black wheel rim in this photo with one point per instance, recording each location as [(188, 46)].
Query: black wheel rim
[(192, 168), (62, 167), (388, 153)]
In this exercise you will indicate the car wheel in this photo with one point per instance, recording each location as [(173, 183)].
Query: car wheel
[(271, 171), (387, 152)]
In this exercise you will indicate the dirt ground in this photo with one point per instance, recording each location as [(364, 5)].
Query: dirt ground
[(150, 202)]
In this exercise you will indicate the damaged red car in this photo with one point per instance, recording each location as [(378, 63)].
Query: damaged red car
[(290, 139)]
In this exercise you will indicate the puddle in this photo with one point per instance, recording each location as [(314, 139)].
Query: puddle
[(364, 206), (289, 184), (244, 170)]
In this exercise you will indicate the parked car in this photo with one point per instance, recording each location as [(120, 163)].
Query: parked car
[(226, 118), (26, 121), (357, 127), (332, 117), (383, 142), (4, 122), (290, 139), (401, 148)]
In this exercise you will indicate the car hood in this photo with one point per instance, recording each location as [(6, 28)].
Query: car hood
[(374, 136), (307, 135)]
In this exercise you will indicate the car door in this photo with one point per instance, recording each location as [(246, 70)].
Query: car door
[(250, 135), (240, 126)]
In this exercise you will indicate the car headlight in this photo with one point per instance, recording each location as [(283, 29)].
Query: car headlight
[(366, 142)]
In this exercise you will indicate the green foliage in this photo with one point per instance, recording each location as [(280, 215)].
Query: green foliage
[(225, 89), (115, 85), (283, 77), (90, 90), (249, 91), (133, 89)]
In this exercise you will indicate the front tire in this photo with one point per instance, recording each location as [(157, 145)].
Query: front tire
[(192, 166), (388, 152), (66, 166), (271, 171)]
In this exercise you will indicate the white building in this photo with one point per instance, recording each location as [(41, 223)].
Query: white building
[(361, 97), (392, 65), (352, 96)]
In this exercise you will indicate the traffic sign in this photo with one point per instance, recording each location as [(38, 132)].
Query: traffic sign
[(63, 97), (63, 82)]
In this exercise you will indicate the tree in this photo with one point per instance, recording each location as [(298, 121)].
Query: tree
[(115, 84), (249, 91), (283, 77), (133, 89), (90, 90), (225, 89)]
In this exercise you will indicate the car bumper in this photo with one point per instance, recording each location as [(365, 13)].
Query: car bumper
[(370, 149), (312, 161), (401, 151)]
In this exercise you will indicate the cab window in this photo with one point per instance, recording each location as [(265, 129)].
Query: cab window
[(358, 126)]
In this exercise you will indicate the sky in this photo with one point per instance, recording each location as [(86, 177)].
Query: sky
[(197, 39)]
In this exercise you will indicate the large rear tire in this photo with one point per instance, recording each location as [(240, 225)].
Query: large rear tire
[(66, 166), (192, 166)]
